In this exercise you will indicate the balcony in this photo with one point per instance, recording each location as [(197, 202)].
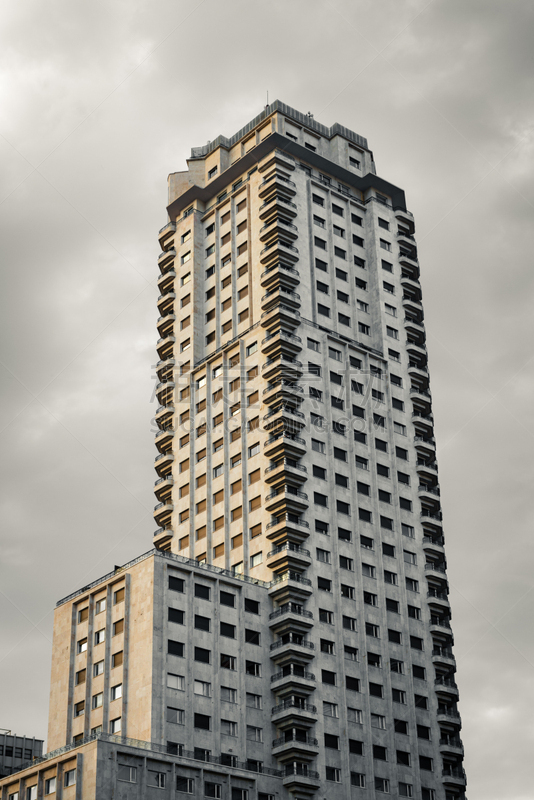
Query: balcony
[(277, 205), (280, 294), (164, 391), (432, 568), (280, 314), (166, 303), (430, 495), (446, 688), (427, 468), (292, 646), (284, 443), (162, 536), (286, 469), (412, 305), (279, 250), (165, 233), (293, 711), (291, 616), (422, 397), (288, 497), (288, 526), (288, 556), (406, 219), (277, 183), (164, 439), (282, 366), (415, 328), (166, 281), (415, 350), (281, 341), (433, 547), (163, 487), (290, 586), (277, 157), (280, 273), (295, 745), (165, 346), (408, 258), (432, 522), (165, 368), (283, 390), (443, 657), (163, 512), (441, 627), (423, 423), (293, 678), (300, 780), (163, 463), (419, 371), (278, 226), (166, 258), (453, 776), (284, 416), (165, 325), (438, 601), (449, 716), (163, 415), (452, 745), (425, 446)]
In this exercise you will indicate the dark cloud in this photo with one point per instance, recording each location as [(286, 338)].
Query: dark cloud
[(99, 103)]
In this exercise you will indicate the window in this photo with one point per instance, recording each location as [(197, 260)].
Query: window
[(368, 570), (256, 560), (97, 700), (118, 627), (354, 715), (372, 630), (411, 585), (385, 245), (370, 599), (175, 715), (323, 310), (421, 701), (330, 709), (347, 591), (175, 682), (323, 555), (228, 728), (394, 636), (252, 348), (357, 778), (425, 763), (175, 648), (400, 726), (390, 577), (185, 785), (376, 690), (81, 646), (327, 647), (350, 653), (398, 696), (324, 584), (313, 345), (346, 563), (252, 637), (365, 329), (100, 636), (253, 668), (333, 774), (50, 785), (202, 591), (378, 721), (81, 676), (326, 616), (349, 623), (318, 472), (202, 688), (98, 668), (115, 725), (388, 550), (69, 778), (254, 701), (392, 605), (382, 785), (254, 734), (423, 732), (228, 695), (321, 527), (363, 514), (202, 721), (202, 655), (344, 534), (318, 446), (396, 666)]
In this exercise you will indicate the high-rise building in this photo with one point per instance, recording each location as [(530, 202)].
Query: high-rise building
[(290, 633)]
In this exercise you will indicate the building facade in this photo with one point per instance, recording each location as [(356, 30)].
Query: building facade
[(290, 633), (16, 751)]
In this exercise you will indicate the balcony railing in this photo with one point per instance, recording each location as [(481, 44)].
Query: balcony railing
[(301, 740), (453, 772), (164, 455), (290, 703), (290, 608), (437, 594), (430, 566), (448, 712), (296, 671), (281, 290), (283, 409), (442, 681), (291, 576), (284, 434), (423, 487), (293, 386), (296, 642), (286, 463), (287, 492), (277, 176), (287, 518), (283, 335), (302, 770), (278, 199), (276, 244), (162, 480), (278, 221), (282, 358)]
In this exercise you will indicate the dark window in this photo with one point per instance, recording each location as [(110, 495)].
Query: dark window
[(355, 747), (352, 683), (392, 605), (402, 477), (419, 672), (379, 753), (401, 453), (202, 591), (324, 584), (202, 655), (382, 470), (386, 523), (425, 763), (344, 534), (400, 726), (416, 643), (175, 648), (394, 636), (405, 504), (364, 514), (324, 310), (253, 668), (319, 472), (202, 623), (331, 741), (320, 499), (403, 758), (384, 497), (342, 508), (322, 265), (423, 732), (202, 721), (328, 677), (175, 615), (361, 284), (252, 606), (252, 637), (388, 550), (340, 454), (380, 444), (376, 690), (227, 630), (398, 404), (342, 480), (176, 584), (421, 701), (227, 599)]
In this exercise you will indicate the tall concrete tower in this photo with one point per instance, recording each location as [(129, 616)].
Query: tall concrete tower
[(289, 635)]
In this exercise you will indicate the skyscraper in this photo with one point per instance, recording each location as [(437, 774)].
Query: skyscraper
[(290, 634)]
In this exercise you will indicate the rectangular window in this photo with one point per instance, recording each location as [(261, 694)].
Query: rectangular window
[(228, 662), (175, 682), (228, 695)]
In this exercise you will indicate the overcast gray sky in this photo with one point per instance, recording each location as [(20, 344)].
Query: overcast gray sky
[(99, 101)]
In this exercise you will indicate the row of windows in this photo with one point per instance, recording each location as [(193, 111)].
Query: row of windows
[(204, 593), (97, 700), (203, 688), (50, 786), (15, 752), (203, 656), (100, 605), (204, 624), (325, 584)]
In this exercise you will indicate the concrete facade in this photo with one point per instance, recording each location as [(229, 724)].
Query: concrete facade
[(291, 629), (16, 751)]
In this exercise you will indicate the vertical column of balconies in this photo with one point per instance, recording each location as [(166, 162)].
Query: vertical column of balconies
[(431, 516), (293, 681), (165, 386)]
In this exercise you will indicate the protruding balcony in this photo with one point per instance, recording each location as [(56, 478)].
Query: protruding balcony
[(166, 282), (164, 415), (280, 314), (163, 487), (405, 239), (166, 258), (293, 678), (295, 744), (165, 368), (164, 391), (282, 366), (280, 273), (281, 341), (419, 372), (283, 443), (162, 513), (449, 716), (284, 416), (406, 219), (290, 586), (290, 616), (447, 688), (280, 295), (292, 646), (165, 233), (288, 526), (279, 251), (288, 556), (453, 776), (162, 537), (432, 522), (438, 601), (300, 780), (408, 260), (277, 157), (412, 305), (286, 469), (277, 183), (166, 303), (441, 627), (165, 347), (165, 325), (285, 390), (163, 463), (286, 498), (422, 397), (414, 328), (277, 205), (425, 446), (423, 423), (164, 439), (427, 468), (276, 227), (435, 570), (415, 350), (452, 745), (292, 712), (430, 495), (434, 547), (443, 657)]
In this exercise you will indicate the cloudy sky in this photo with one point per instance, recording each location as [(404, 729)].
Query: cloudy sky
[(99, 101)]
